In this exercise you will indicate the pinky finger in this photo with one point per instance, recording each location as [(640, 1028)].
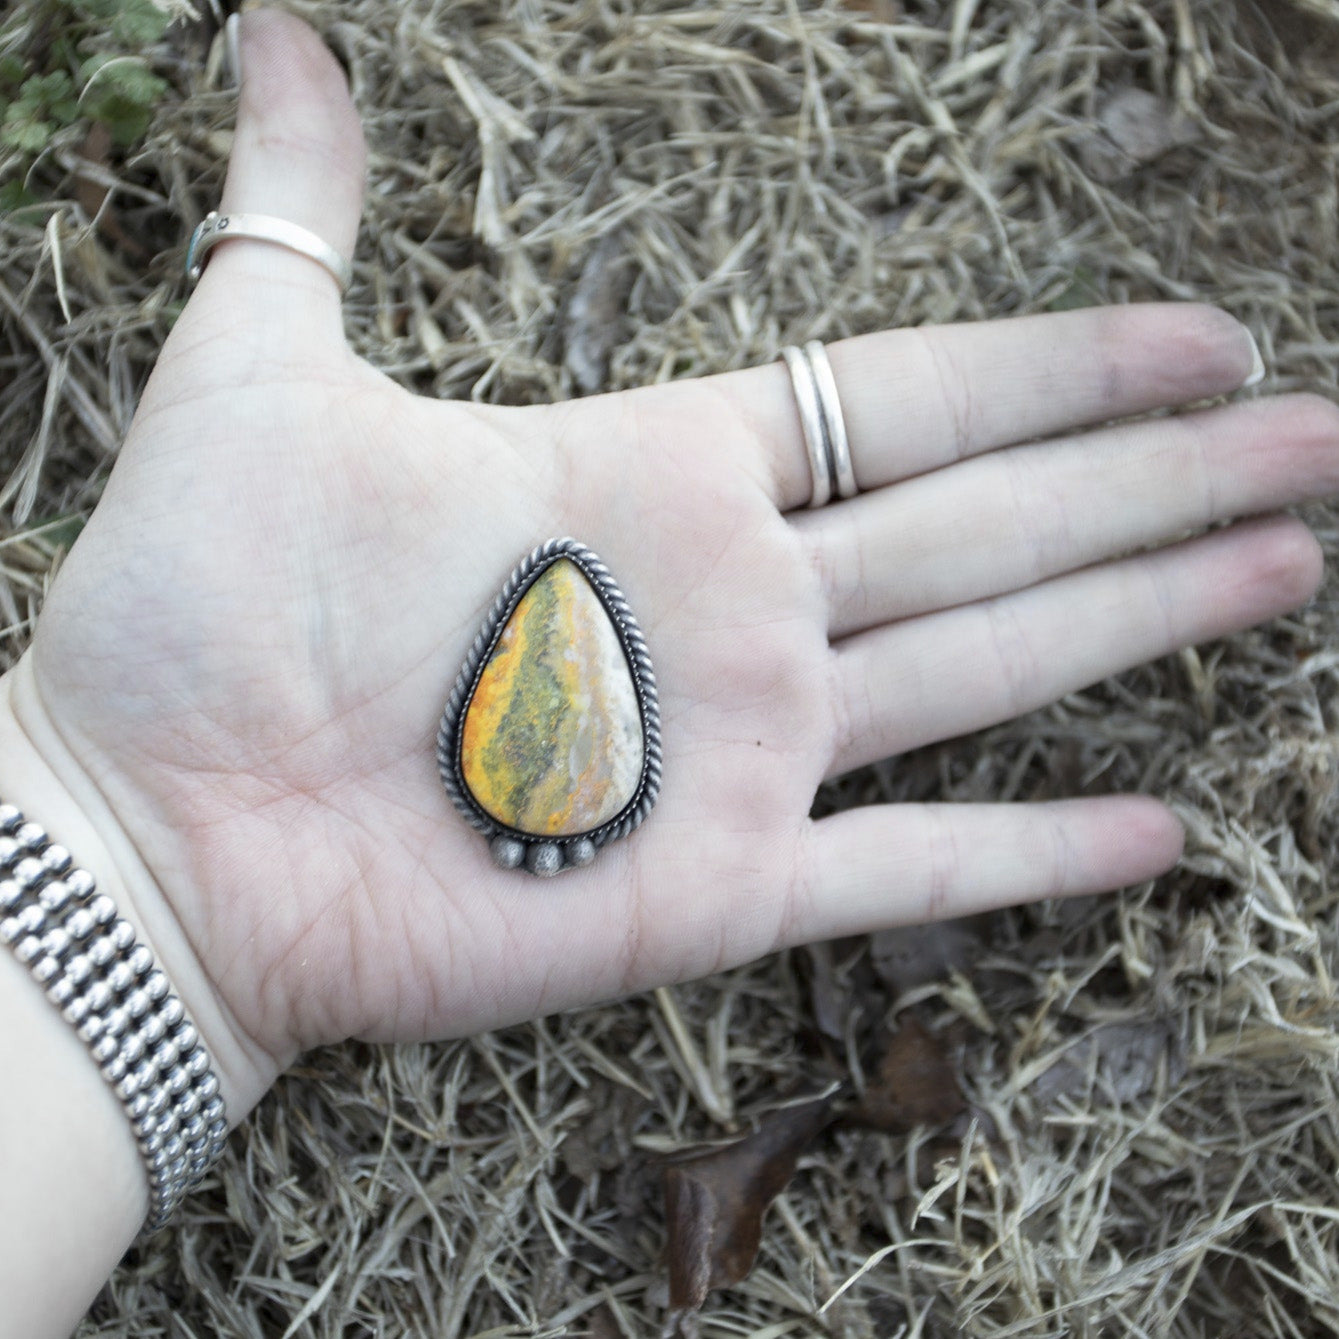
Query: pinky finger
[(893, 865)]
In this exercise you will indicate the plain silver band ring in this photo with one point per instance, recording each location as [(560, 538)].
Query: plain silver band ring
[(216, 227), (811, 423), (834, 422)]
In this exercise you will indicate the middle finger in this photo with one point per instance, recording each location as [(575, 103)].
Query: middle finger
[(1018, 517)]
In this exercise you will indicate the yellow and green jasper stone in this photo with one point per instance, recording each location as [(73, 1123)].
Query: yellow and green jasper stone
[(552, 741)]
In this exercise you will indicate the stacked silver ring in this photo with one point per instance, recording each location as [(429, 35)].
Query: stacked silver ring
[(822, 423), (108, 987)]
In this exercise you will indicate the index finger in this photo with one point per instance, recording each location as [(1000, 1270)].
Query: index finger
[(918, 399)]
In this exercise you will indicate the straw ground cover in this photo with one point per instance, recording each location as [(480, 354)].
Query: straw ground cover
[(575, 195)]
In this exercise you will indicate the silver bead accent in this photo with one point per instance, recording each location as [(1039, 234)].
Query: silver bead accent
[(80, 923), (101, 950), (56, 859), (155, 984), (45, 969), (56, 942), (103, 1049), (28, 949), (178, 1079), (580, 852), (137, 1004), (99, 995), (10, 894), (11, 816), (213, 1110), (122, 935), (187, 1037), (10, 930), (139, 960), (81, 884), (544, 859), (119, 976), (92, 1028), (209, 1085), (172, 1011), (103, 911), (116, 1020), (61, 992), (115, 1069), (133, 1047), (31, 919), (154, 1028), (55, 895), (79, 969), (166, 1054), (28, 873), (10, 850), (507, 852), (30, 836), (197, 1062)]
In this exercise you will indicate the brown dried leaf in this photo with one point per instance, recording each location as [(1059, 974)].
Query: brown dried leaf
[(915, 1083), (595, 313), (1123, 1058), (915, 955), (1135, 127), (715, 1201)]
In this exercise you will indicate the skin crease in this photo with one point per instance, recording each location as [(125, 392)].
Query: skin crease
[(246, 653)]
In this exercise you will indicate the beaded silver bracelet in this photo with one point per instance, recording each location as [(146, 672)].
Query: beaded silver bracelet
[(107, 986)]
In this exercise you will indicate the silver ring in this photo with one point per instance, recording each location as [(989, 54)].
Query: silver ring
[(834, 422), (216, 227), (811, 423)]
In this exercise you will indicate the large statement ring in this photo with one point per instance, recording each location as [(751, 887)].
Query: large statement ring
[(215, 228), (550, 741), (822, 423)]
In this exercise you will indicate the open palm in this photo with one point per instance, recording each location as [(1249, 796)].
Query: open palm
[(251, 644)]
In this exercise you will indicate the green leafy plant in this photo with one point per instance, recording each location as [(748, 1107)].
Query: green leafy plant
[(67, 65)]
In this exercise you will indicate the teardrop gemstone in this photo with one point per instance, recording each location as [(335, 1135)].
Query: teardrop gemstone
[(552, 742)]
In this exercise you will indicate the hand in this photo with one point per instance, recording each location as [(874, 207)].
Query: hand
[(249, 647)]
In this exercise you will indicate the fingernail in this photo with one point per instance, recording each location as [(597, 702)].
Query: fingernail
[(233, 44), (1257, 374)]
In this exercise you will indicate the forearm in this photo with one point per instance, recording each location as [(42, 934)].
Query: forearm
[(75, 1191)]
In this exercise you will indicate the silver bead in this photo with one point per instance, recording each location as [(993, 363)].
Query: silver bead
[(61, 992), (81, 884), (187, 1036), (197, 1062), (10, 930), (158, 1162), (209, 1085), (103, 1049), (122, 935), (119, 975), (580, 852), (544, 858), (28, 949), (10, 894), (178, 1079), (154, 1028), (189, 1106), (76, 1011), (32, 919), (155, 984), (145, 1125), (158, 1099), (507, 852), (55, 896), (194, 1127), (172, 1011), (117, 1020), (115, 1069), (137, 1004), (166, 1054), (29, 872), (99, 995), (146, 1073), (213, 1110), (218, 1128), (56, 859), (10, 817), (45, 969), (56, 942), (174, 1146), (152, 1142), (31, 836), (133, 1046), (101, 950), (92, 1028), (79, 969), (80, 923), (103, 910), (127, 1087), (138, 1108)]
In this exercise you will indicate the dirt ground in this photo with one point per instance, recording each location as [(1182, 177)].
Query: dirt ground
[(1151, 1138)]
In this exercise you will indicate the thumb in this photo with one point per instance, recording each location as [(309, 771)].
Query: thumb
[(297, 155)]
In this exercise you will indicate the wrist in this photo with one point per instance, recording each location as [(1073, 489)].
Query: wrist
[(40, 775)]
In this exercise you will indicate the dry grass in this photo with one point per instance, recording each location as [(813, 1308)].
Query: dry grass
[(745, 174)]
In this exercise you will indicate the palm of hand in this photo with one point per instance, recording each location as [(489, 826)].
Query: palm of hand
[(286, 577), (249, 648)]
